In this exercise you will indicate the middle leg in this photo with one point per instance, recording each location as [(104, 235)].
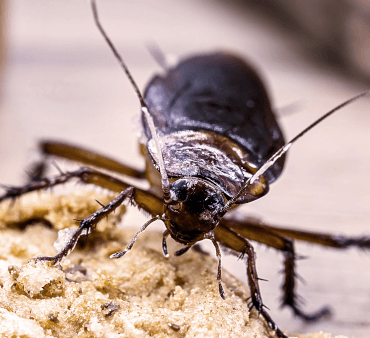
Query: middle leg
[(143, 199), (146, 200)]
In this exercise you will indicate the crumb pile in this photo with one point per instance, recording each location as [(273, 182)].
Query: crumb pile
[(142, 294)]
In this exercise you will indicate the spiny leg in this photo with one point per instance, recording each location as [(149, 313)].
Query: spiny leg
[(87, 223), (185, 249), (324, 239), (290, 297), (129, 246), (211, 236), (231, 239), (86, 156), (249, 228), (44, 183), (143, 199)]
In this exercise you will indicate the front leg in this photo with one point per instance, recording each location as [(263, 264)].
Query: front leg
[(87, 223)]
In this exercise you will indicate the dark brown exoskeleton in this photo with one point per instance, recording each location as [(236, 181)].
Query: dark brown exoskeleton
[(212, 143)]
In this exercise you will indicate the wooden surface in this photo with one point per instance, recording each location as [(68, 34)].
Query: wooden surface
[(61, 82)]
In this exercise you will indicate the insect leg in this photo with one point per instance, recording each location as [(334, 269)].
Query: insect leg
[(164, 243), (219, 270), (143, 199), (129, 246), (237, 243), (325, 239), (251, 229), (85, 156), (87, 223)]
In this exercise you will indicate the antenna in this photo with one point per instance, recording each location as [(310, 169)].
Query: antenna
[(144, 107), (283, 150)]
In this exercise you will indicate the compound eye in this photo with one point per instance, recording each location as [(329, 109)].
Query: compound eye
[(213, 202), (180, 190)]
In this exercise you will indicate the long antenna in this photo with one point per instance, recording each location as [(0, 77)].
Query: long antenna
[(283, 150), (144, 107)]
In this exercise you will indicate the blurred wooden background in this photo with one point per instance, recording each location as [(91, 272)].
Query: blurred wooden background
[(60, 81)]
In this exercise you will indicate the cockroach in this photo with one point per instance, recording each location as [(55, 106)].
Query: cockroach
[(212, 143)]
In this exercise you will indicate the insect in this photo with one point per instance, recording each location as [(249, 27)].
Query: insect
[(209, 156)]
